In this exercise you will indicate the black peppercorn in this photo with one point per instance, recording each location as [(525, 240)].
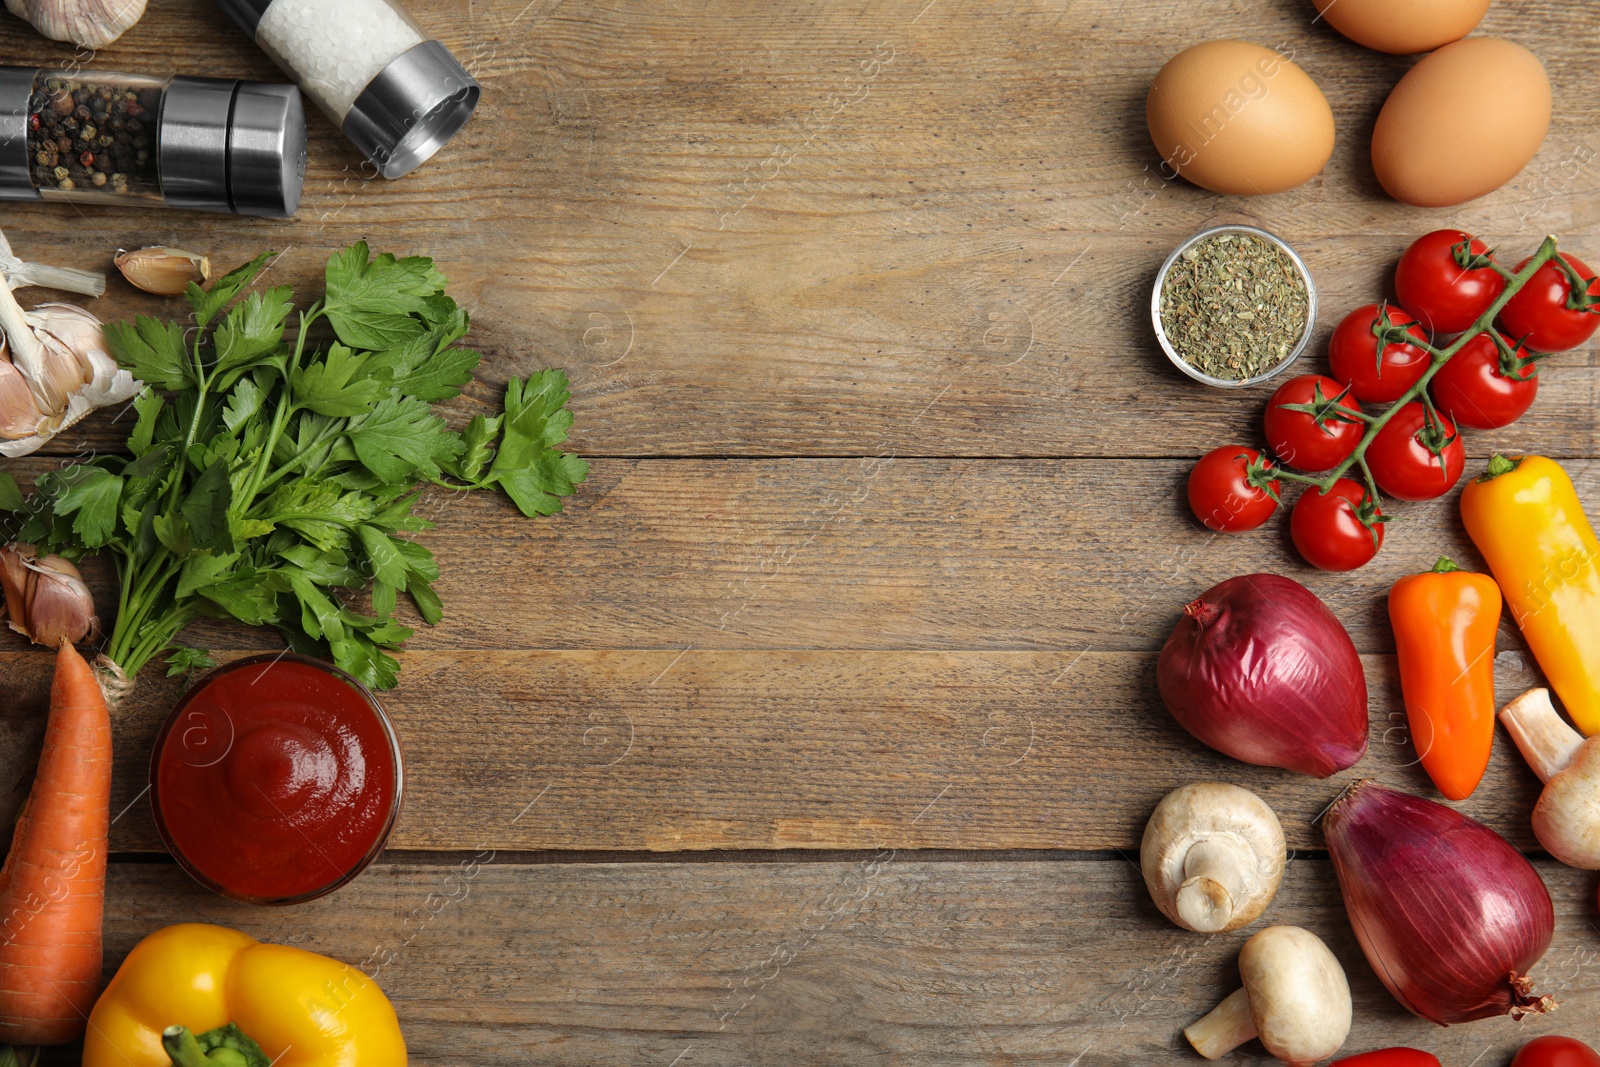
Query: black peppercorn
[(86, 135)]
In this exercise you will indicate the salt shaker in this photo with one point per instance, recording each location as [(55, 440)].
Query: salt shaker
[(396, 94), (209, 144)]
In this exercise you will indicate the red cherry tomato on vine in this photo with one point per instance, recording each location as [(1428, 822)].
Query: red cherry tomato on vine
[(1221, 494), (1312, 442), (1445, 296), (1391, 1057), (1553, 1051), (1480, 389), (1539, 314), (1327, 528), (1412, 460), (1353, 356)]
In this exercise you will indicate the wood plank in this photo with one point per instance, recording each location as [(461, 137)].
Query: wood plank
[(881, 552), (883, 959), (694, 750), (662, 200)]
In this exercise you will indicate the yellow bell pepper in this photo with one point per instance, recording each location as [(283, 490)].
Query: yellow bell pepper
[(304, 1010), (1525, 518)]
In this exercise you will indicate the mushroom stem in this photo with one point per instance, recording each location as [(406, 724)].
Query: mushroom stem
[(1228, 1026), (1215, 874), (1545, 739)]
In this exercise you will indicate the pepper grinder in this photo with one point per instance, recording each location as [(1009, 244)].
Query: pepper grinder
[(208, 144), (396, 94)]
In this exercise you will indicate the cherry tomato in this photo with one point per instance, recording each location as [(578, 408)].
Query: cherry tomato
[(1480, 390), (1539, 315), (1327, 528), (1354, 359), (1402, 461), (1445, 296), (1312, 443), (1553, 1051), (1391, 1057), (1221, 494)]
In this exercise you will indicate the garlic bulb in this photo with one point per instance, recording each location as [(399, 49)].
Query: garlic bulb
[(58, 351), (86, 23), (46, 600)]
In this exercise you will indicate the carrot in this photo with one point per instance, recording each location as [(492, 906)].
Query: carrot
[(52, 887)]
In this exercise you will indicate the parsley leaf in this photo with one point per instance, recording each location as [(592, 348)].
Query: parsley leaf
[(89, 494), (153, 350), (11, 498), (207, 302), (526, 464), (373, 302), (402, 439), (253, 328), (182, 660), (338, 384)]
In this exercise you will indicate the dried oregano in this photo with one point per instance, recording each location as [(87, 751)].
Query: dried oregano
[(1234, 305)]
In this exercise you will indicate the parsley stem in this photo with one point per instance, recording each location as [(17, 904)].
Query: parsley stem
[(286, 407)]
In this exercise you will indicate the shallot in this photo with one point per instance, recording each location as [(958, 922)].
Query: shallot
[(1449, 914)]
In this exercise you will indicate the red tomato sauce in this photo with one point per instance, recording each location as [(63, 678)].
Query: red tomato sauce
[(275, 779)]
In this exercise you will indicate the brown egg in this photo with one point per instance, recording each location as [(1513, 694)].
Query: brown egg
[(1461, 123), (1235, 117), (1403, 27)]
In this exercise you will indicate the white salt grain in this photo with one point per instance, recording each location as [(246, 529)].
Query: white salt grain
[(334, 49)]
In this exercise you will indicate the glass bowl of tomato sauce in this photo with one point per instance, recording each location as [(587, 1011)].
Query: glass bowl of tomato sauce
[(276, 779)]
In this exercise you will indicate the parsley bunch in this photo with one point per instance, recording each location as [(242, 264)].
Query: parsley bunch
[(267, 477)]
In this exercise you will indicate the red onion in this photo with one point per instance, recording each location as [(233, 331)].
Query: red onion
[(1450, 915), (1260, 669)]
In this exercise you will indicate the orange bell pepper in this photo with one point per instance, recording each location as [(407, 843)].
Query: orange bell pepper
[(1444, 628)]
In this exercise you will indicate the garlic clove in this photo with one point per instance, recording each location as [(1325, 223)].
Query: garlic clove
[(87, 23), (19, 414), (110, 385), (62, 373), (14, 579), (162, 270), (60, 607)]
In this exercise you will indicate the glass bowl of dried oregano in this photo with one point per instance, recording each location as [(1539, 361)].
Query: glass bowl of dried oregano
[(1233, 305)]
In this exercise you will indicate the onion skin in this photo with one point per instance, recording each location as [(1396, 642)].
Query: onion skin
[(1259, 669), (1449, 914)]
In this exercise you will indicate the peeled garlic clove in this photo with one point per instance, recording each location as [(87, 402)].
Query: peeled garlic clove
[(60, 607), (163, 271), (87, 23)]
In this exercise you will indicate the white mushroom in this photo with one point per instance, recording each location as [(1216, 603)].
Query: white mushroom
[(1567, 818), (1295, 999), (1212, 856)]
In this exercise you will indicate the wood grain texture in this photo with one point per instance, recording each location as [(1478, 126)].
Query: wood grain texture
[(675, 749), (885, 959), (814, 229), (878, 552)]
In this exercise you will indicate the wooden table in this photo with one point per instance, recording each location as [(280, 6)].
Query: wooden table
[(821, 727)]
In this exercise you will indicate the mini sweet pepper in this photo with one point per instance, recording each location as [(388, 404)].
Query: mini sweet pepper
[(1444, 628), (1525, 517), (218, 995)]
